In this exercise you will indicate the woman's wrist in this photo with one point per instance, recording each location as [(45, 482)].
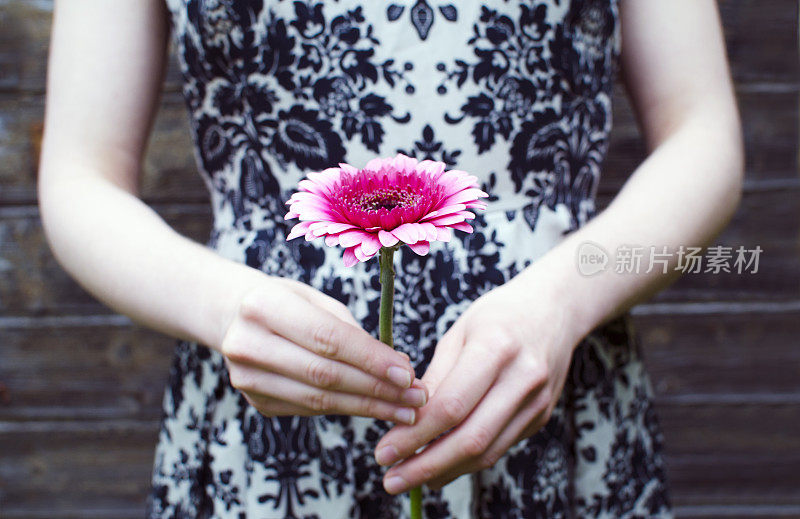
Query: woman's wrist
[(555, 279), (225, 297)]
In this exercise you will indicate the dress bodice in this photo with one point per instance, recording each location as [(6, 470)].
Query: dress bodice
[(514, 92)]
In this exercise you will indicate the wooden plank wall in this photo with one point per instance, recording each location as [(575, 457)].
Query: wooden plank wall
[(80, 387)]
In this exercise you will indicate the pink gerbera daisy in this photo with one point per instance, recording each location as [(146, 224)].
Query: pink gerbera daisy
[(391, 201)]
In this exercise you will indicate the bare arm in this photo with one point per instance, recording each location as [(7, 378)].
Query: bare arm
[(498, 372), (105, 70), (676, 74)]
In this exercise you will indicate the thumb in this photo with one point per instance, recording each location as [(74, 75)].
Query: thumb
[(444, 358), (326, 302)]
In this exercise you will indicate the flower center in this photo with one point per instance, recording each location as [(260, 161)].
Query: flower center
[(389, 198)]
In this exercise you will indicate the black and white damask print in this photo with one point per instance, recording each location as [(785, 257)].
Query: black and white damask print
[(421, 15), (545, 88), (515, 92)]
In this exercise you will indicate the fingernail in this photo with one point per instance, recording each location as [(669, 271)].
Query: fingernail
[(405, 415), (386, 455), (414, 396), (399, 376), (394, 484)]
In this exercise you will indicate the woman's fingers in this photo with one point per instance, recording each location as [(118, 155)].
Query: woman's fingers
[(276, 354), (444, 358), (257, 383), (262, 348), (529, 420), (324, 334), (274, 407), (325, 301), (474, 373), (469, 443)]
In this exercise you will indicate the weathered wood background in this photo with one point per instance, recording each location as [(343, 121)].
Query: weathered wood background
[(80, 387)]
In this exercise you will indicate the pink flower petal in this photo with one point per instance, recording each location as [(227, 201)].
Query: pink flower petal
[(315, 203), (304, 195), (360, 253), (404, 162), (312, 187), (331, 240), (298, 230), (349, 257), (332, 173), (447, 219), (317, 225), (421, 247), (386, 238), (309, 214), (429, 230), (376, 164), (335, 227), (463, 226), (431, 167), (350, 238), (450, 209), (370, 245), (322, 228), (477, 205), (347, 168), (407, 232), (430, 215), (456, 180), (444, 234), (466, 195), (325, 180)]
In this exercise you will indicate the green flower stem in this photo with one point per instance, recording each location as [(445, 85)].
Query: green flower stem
[(387, 294), (416, 502), (386, 259)]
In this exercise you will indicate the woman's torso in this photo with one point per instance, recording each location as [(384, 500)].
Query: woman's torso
[(516, 93)]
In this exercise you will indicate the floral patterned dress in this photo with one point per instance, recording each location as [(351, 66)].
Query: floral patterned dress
[(514, 92)]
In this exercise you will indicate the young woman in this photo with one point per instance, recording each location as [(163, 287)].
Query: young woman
[(281, 402)]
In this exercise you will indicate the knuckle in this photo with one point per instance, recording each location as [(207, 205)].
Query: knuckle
[(265, 410), (477, 441), (488, 459), (368, 406), (251, 305), (506, 345), (233, 345), (539, 377), (318, 401), (545, 396), (426, 471), (322, 373), (453, 409), (240, 380), (380, 390), (535, 371), (325, 339), (251, 401), (262, 409)]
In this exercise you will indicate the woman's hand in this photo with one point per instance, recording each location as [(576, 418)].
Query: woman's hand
[(495, 378), (293, 350)]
